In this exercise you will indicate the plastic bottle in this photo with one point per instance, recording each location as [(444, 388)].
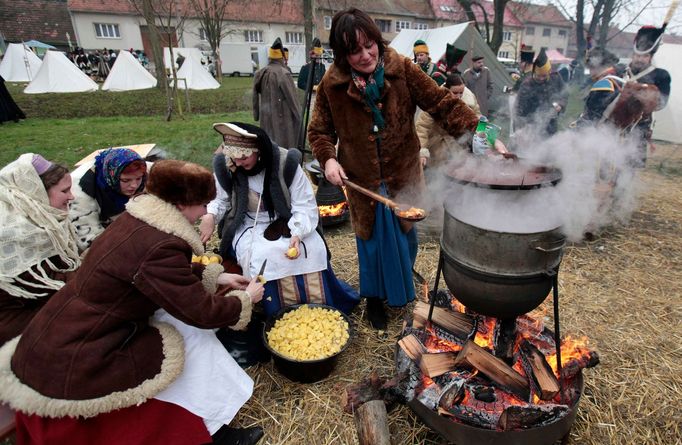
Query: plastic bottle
[(484, 136)]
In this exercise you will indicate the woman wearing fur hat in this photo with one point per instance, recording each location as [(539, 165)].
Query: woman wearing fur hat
[(101, 190), (366, 102), (38, 242), (93, 366), (273, 216)]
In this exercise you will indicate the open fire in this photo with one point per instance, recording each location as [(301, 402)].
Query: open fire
[(467, 377), (333, 210)]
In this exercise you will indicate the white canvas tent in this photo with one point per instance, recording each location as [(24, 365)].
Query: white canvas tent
[(19, 64), (668, 121), (196, 76), (59, 75), (463, 36), (128, 74), (187, 53)]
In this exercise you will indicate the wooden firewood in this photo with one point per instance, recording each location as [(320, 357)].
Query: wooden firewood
[(412, 347), (389, 391), (457, 323), (545, 382), (496, 370), (529, 416), (371, 423), (437, 364)]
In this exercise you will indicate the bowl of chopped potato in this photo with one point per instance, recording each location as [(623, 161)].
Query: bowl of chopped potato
[(306, 339)]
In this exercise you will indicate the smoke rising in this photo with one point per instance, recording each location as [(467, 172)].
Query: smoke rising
[(597, 188)]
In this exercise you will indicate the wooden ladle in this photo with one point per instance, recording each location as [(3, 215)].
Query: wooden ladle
[(402, 211)]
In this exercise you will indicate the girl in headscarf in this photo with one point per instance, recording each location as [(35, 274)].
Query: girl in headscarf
[(102, 189), (37, 241)]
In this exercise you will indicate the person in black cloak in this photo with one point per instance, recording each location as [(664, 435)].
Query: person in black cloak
[(9, 110)]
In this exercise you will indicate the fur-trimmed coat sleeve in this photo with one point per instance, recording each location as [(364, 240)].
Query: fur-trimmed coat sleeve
[(341, 114)]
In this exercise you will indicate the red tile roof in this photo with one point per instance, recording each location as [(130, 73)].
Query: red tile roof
[(455, 13), (281, 11), (539, 14), (44, 20), (409, 8)]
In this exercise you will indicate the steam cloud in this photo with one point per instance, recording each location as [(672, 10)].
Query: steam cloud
[(593, 162)]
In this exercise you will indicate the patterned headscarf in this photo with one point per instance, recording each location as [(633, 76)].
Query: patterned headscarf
[(109, 165)]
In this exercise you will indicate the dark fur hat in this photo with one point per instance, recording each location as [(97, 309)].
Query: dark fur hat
[(180, 182)]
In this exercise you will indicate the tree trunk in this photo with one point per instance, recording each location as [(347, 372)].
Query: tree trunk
[(160, 69), (606, 18), (308, 25), (498, 25)]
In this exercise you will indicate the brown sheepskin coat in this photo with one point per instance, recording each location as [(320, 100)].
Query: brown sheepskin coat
[(341, 114), (92, 349)]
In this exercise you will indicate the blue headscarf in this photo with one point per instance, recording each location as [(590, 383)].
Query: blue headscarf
[(109, 165)]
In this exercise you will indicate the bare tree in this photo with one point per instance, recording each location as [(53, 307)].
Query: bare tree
[(211, 14), (165, 19), (494, 39)]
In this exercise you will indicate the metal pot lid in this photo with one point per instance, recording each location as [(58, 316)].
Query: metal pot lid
[(502, 174)]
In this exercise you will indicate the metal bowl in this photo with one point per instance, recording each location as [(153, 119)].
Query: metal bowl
[(304, 371)]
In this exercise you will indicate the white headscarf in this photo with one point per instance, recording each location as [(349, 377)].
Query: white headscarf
[(31, 231)]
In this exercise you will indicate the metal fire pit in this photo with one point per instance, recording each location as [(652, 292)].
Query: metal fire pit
[(462, 434)]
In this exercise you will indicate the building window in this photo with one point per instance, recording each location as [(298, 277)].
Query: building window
[(295, 38), (420, 26), (327, 22), (530, 31), (507, 36), (503, 54), (251, 35), (446, 8), (546, 32), (400, 24), (562, 33), (203, 35), (107, 31), (383, 25)]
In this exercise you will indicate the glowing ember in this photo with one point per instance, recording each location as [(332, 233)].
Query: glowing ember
[(333, 210), (485, 336), (434, 343)]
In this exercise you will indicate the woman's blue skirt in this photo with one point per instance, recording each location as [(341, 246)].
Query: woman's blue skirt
[(386, 260)]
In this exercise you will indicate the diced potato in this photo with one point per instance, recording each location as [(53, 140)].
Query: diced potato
[(309, 333)]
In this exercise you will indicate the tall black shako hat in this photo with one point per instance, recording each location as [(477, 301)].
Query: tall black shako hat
[(527, 55), (648, 39), (276, 51), (454, 55), (542, 65)]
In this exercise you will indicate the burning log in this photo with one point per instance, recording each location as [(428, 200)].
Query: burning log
[(530, 416), (371, 423), (412, 347), (543, 381), (458, 324), (471, 416), (474, 356), (505, 338)]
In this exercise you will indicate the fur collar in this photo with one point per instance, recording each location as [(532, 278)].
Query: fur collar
[(165, 217), (22, 397), (393, 67)]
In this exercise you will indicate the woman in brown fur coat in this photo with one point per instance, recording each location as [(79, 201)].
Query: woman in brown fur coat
[(366, 102)]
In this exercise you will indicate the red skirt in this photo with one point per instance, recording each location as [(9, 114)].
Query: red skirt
[(153, 422)]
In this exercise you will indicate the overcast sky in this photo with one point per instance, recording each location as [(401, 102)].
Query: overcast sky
[(653, 14)]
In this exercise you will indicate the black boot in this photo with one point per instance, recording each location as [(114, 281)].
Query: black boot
[(376, 314), (237, 436)]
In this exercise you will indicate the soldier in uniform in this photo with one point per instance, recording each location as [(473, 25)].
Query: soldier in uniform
[(541, 97), (525, 66), (448, 63), (657, 81), (422, 58), (605, 88)]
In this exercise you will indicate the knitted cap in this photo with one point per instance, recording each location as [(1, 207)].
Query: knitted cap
[(276, 51), (420, 47)]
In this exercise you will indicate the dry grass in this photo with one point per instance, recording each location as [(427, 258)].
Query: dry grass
[(623, 290)]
